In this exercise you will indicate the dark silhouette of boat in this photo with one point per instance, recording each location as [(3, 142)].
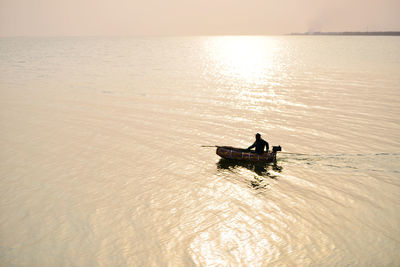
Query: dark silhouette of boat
[(228, 152)]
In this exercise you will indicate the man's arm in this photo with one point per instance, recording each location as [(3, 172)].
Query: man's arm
[(266, 146), (253, 145)]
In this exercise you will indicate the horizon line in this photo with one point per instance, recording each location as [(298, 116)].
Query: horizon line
[(192, 35)]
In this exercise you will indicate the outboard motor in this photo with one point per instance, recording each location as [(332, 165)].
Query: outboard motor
[(276, 149)]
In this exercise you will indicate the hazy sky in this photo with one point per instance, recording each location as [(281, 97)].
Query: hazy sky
[(194, 17)]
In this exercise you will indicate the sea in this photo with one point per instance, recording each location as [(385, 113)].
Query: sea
[(103, 159)]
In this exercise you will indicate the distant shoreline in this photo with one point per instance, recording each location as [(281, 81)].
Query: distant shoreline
[(384, 33)]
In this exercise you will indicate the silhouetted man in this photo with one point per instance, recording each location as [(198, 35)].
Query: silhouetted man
[(259, 144)]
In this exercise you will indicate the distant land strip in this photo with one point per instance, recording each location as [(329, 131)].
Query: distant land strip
[(386, 33)]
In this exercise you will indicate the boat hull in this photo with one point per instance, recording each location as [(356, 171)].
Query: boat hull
[(228, 152)]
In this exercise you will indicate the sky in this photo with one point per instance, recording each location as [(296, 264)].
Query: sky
[(193, 17)]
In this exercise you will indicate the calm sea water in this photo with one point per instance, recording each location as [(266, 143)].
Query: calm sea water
[(101, 161)]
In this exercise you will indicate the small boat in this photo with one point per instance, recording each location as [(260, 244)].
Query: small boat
[(228, 152)]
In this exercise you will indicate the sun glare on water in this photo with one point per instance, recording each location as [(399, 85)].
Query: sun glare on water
[(247, 66), (248, 59)]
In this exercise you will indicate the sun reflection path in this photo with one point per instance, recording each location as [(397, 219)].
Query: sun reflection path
[(247, 70), (247, 58), (239, 235)]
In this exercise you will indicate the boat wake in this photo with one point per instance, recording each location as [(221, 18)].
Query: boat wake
[(258, 176), (371, 162)]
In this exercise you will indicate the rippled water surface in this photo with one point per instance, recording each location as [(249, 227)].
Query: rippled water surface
[(101, 161)]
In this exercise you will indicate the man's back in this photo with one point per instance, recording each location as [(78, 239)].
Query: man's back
[(259, 144)]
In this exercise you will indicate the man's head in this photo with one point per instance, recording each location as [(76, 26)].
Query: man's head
[(258, 136)]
